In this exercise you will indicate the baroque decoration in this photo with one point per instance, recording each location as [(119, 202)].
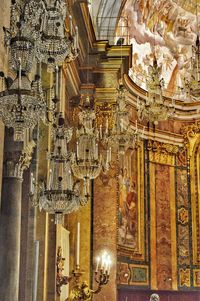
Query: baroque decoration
[(192, 85), (60, 278)]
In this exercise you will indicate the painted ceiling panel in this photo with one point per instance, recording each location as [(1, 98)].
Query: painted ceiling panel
[(165, 29)]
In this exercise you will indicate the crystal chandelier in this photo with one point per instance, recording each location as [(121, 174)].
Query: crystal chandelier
[(21, 102), (56, 42), (192, 85), (155, 108), (61, 195), (122, 136), (24, 30), (87, 162)]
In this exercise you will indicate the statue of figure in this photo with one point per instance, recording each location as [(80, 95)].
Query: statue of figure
[(154, 297), (81, 292)]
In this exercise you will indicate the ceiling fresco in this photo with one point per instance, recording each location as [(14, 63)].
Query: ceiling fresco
[(166, 29)]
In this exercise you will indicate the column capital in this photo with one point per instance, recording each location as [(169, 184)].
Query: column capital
[(18, 159)]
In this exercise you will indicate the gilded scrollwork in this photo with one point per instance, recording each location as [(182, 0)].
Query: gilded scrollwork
[(183, 215), (184, 277), (190, 134), (162, 153), (60, 278), (104, 111)]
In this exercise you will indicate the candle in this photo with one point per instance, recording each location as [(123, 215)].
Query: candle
[(88, 186), (56, 91), (121, 125), (107, 156), (96, 151), (70, 179), (78, 245), (36, 264), (109, 265), (77, 150), (85, 186), (97, 266), (106, 265), (70, 24), (20, 73), (100, 131), (50, 179), (76, 45), (110, 154), (106, 125), (103, 257), (31, 188)]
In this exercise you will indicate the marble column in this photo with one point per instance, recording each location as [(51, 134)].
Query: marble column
[(16, 160), (10, 225)]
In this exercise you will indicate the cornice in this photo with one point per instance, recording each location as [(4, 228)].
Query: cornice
[(183, 111)]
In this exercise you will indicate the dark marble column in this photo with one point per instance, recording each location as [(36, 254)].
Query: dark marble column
[(10, 225), (16, 160)]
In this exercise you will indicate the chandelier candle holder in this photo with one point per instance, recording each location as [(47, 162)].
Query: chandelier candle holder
[(192, 85), (87, 161), (56, 42), (61, 194), (25, 20), (155, 108), (22, 103), (122, 136), (81, 290)]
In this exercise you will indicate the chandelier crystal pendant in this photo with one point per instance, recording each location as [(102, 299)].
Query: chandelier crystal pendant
[(87, 161), (22, 102), (192, 85), (155, 108), (56, 43), (122, 136), (61, 195), (25, 28)]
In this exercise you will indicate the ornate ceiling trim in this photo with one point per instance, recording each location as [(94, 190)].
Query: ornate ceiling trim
[(184, 111)]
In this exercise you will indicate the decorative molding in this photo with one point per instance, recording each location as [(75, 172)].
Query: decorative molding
[(163, 153), (184, 277), (123, 273), (196, 277), (190, 134), (139, 275), (60, 278), (132, 274)]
